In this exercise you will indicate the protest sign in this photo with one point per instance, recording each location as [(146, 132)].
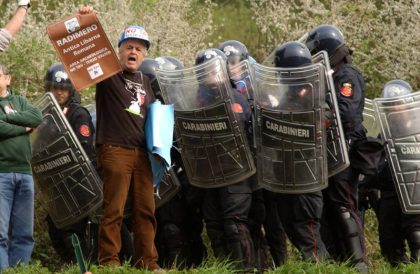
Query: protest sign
[(84, 49)]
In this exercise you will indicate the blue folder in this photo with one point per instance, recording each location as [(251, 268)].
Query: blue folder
[(159, 131)]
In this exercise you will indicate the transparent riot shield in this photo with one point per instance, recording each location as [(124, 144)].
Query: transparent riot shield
[(338, 158), (370, 122), (240, 75), (291, 146), (399, 119), (269, 60), (70, 186), (214, 148)]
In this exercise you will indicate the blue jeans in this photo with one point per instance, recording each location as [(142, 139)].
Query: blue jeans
[(16, 218)]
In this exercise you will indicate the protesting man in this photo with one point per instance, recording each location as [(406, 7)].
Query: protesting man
[(121, 104)]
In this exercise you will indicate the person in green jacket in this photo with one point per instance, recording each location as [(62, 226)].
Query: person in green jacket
[(17, 120)]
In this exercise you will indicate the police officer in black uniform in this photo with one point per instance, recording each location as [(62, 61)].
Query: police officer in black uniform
[(300, 214), (57, 82), (261, 214), (180, 220), (394, 226), (226, 209), (342, 230)]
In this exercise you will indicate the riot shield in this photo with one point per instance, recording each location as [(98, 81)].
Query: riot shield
[(214, 148), (370, 122), (399, 119), (240, 75), (338, 158), (291, 147), (269, 60), (64, 174), (167, 189), (243, 82)]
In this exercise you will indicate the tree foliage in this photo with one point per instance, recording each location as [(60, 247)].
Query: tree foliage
[(176, 28), (384, 34)]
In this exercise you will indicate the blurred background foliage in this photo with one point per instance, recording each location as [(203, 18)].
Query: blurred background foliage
[(384, 35)]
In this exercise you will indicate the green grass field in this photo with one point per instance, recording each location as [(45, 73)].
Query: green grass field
[(46, 261)]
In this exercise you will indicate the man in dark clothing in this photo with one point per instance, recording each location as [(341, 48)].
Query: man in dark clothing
[(180, 220), (299, 213), (394, 226), (226, 209), (342, 230), (262, 212), (58, 83)]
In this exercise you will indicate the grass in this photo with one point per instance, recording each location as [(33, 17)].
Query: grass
[(211, 266), (45, 261)]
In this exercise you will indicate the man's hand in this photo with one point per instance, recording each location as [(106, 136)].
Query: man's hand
[(29, 130), (86, 10), (24, 3)]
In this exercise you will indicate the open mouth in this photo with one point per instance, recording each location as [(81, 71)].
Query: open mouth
[(132, 59)]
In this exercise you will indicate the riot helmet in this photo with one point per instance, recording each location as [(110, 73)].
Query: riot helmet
[(169, 63), (330, 39), (57, 79), (148, 68), (235, 51), (396, 88), (208, 54), (291, 55), (324, 37)]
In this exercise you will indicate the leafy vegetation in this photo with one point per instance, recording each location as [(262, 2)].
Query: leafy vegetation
[(384, 34)]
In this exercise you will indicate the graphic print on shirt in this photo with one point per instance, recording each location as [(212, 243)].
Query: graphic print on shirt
[(137, 97)]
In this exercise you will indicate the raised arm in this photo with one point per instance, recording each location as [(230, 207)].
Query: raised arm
[(17, 20)]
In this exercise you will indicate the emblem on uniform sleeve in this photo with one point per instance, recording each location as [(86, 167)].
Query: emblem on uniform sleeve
[(84, 130), (346, 89), (237, 108)]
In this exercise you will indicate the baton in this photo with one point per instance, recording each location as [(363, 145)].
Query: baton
[(78, 252)]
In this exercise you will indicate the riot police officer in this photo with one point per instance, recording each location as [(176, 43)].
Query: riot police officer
[(300, 214), (394, 226), (261, 214), (226, 208), (342, 230), (58, 83), (179, 221)]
